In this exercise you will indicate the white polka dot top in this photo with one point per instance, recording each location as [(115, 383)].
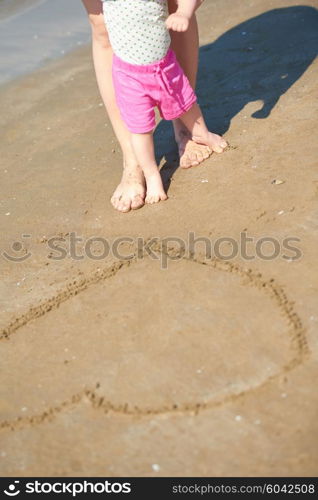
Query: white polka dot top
[(137, 29)]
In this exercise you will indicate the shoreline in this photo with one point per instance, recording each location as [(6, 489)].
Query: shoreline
[(41, 31), (10, 8)]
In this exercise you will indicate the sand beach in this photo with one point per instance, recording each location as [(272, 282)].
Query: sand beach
[(126, 348)]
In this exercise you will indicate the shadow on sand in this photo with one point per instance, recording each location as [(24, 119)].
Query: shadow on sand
[(257, 60)]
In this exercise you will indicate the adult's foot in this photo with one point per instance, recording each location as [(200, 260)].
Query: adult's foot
[(130, 193), (190, 153)]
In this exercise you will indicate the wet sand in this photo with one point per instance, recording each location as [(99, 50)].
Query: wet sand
[(115, 367)]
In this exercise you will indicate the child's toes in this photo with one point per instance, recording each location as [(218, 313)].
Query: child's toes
[(163, 197), (150, 199), (218, 149), (155, 198), (217, 143)]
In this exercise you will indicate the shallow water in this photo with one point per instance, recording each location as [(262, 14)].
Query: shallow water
[(32, 32)]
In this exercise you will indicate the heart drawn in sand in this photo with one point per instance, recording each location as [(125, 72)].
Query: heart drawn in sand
[(134, 339)]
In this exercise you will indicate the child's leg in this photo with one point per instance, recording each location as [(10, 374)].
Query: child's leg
[(144, 150), (186, 47), (194, 121)]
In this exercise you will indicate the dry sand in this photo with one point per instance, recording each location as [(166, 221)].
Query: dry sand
[(109, 367)]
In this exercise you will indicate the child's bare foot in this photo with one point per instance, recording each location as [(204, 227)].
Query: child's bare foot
[(130, 193), (144, 151), (194, 122), (155, 190), (191, 153), (213, 141)]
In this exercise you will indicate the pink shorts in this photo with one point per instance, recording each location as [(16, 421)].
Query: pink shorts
[(139, 89)]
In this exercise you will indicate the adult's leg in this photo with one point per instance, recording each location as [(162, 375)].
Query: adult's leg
[(130, 193), (186, 48)]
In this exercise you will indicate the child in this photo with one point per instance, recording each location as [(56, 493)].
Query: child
[(146, 75)]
